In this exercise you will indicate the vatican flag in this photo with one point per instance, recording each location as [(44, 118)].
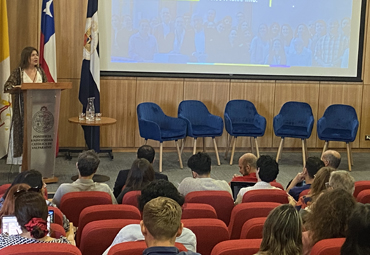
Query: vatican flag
[(5, 99)]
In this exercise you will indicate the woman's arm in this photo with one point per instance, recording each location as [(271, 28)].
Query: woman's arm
[(13, 80)]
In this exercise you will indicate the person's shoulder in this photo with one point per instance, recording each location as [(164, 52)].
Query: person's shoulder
[(188, 253), (187, 180)]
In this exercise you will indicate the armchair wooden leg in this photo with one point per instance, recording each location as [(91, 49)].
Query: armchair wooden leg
[(349, 157), (182, 145), (179, 154), (216, 151), (305, 147), (280, 149), (250, 141), (146, 141), (228, 144), (257, 150), (160, 156), (350, 151), (195, 146), (233, 150), (204, 144), (326, 144), (304, 152)]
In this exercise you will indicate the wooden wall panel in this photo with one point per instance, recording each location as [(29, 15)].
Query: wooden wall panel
[(262, 95), (167, 93), (117, 100), (365, 117), (24, 27), (70, 135), (70, 18), (215, 95), (340, 93), (297, 91)]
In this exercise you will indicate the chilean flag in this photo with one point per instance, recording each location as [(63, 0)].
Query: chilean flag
[(47, 41)]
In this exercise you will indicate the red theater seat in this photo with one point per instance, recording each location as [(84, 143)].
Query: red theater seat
[(330, 246), (130, 198), (195, 210), (41, 249), (360, 186), (364, 196), (135, 248), (266, 195), (237, 247), (252, 229)]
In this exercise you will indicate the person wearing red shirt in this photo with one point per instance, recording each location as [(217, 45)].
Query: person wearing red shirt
[(248, 169)]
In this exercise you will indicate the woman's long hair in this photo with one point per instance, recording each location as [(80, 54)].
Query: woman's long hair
[(140, 175), (282, 232), (318, 185)]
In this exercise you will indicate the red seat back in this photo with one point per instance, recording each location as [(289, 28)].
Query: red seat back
[(237, 247), (58, 215), (245, 211), (97, 236), (130, 198), (195, 210), (266, 195), (135, 248), (304, 193), (74, 202), (364, 196), (209, 232), (360, 186), (105, 212), (41, 249), (253, 228), (330, 246), (56, 230), (277, 185), (222, 201), (4, 188)]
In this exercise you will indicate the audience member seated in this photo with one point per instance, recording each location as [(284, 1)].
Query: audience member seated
[(328, 218), (34, 179), (282, 232), (267, 171), (331, 158), (140, 175), (358, 232), (342, 180), (8, 205), (313, 164), (161, 225), (247, 168), (145, 151), (200, 165), (157, 188), (31, 212), (87, 164)]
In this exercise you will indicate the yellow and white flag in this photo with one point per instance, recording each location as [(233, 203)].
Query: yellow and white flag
[(5, 99)]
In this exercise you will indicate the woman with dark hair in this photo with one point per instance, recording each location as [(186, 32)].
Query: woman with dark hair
[(28, 71), (140, 175), (328, 218), (282, 232), (277, 54), (31, 212), (358, 232)]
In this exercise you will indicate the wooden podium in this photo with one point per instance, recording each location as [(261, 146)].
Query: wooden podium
[(41, 119)]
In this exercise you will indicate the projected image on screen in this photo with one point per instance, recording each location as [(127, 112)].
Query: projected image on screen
[(223, 32)]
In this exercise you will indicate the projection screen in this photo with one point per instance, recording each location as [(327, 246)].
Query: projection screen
[(316, 39)]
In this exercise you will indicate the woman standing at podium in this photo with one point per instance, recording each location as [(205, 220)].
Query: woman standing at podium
[(28, 71)]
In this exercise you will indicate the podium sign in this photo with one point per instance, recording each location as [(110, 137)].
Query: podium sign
[(41, 119)]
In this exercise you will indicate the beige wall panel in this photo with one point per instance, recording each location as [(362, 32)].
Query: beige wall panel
[(167, 93), (261, 94), (70, 135), (70, 18), (214, 94), (364, 128), (302, 92), (24, 27), (342, 93), (117, 100)]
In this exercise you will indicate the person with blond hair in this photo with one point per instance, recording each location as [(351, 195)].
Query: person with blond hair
[(282, 232)]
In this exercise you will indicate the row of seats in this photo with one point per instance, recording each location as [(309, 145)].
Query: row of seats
[(295, 120)]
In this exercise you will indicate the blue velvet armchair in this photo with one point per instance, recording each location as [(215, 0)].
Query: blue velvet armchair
[(200, 123), (242, 119), (155, 125), (294, 120), (339, 123)]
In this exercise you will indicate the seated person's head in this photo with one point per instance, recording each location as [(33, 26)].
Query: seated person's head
[(161, 221), (313, 164), (247, 164), (329, 215), (8, 205), (282, 231), (140, 174), (31, 212), (358, 233), (267, 168), (147, 152), (87, 163), (319, 183), (342, 180), (159, 188), (331, 158), (200, 164)]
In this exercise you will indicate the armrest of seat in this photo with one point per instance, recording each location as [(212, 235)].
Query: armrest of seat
[(149, 130), (321, 125), (278, 122), (188, 123), (260, 122), (228, 123), (176, 123), (215, 121), (310, 123), (354, 128)]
